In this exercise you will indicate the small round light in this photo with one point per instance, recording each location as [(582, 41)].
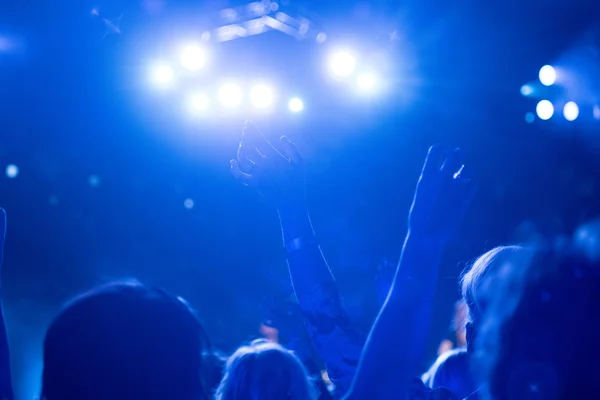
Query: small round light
[(529, 118), (12, 171), (544, 110), (188, 203), (526, 90), (342, 64), (547, 75), (94, 181), (571, 111), (193, 58), (296, 104)]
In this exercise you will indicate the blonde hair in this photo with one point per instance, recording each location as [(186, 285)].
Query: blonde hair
[(264, 371), (477, 277)]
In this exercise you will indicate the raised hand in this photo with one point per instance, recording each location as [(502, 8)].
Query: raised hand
[(277, 173), (442, 197)]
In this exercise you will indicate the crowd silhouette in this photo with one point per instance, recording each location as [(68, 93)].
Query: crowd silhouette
[(530, 332)]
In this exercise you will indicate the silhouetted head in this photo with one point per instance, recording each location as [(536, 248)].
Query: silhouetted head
[(264, 371), (540, 338), (124, 341), (475, 281)]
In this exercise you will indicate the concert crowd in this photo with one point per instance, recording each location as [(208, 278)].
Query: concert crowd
[(527, 326)]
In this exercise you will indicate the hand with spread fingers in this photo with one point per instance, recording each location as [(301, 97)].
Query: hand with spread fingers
[(277, 173), (443, 195)]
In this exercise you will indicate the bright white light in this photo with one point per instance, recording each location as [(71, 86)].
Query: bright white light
[(163, 74), (230, 95), (296, 105), (342, 63), (199, 102), (261, 96), (547, 75), (571, 111), (193, 58), (544, 110), (366, 81), (12, 171)]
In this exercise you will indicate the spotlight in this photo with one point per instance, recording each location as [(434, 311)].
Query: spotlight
[(342, 64), (571, 111), (230, 95), (366, 81), (547, 75), (12, 171), (296, 105), (193, 58), (261, 96), (163, 74), (199, 102), (544, 110)]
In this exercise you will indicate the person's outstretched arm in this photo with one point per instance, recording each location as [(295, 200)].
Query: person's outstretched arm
[(395, 346), (279, 176), (6, 390)]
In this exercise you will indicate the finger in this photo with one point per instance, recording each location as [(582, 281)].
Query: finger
[(291, 151), (243, 161), (453, 162), (241, 176), (465, 173), (434, 159), (253, 136), (251, 153)]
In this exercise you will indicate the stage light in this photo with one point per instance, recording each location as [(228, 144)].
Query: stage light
[(193, 58), (342, 64), (199, 102), (296, 105), (526, 90), (547, 75), (571, 111), (261, 96), (162, 74), (230, 95), (544, 110), (366, 81), (12, 171)]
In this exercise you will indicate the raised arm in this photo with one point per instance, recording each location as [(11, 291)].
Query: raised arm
[(6, 390), (279, 176), (396, 343)]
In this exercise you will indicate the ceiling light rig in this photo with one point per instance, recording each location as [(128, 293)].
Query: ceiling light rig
[(260, 17)]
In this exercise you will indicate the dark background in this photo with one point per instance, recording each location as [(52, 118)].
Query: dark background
[(74, 104)]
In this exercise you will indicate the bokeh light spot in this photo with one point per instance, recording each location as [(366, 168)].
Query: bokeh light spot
[(94, 181), (571, 111), (188, 203), (296, 104), (342, 63), (193, 58), (529, 118), (544, 110), (12, 171), (547, 75), (163, 74)]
